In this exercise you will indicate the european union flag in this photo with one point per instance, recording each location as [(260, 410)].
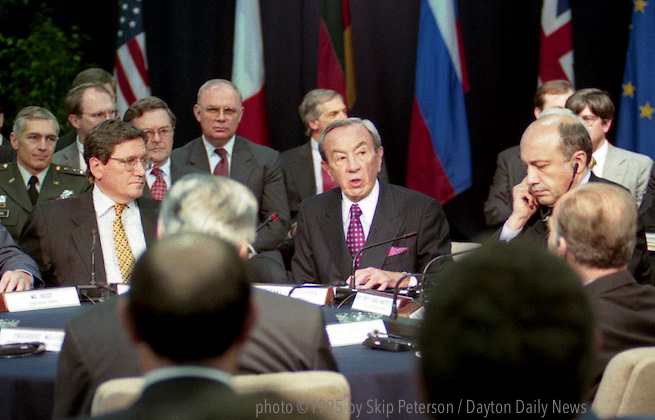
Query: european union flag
[(636, 126)]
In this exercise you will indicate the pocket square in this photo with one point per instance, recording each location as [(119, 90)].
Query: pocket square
[(395, 250)]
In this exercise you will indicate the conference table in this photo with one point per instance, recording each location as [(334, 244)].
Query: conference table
[(380, 381)]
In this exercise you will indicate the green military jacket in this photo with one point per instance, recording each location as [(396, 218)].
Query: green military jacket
[(15, 205)]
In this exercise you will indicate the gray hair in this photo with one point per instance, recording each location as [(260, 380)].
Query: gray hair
[(214, 205), (32, 113), (210, 84), (368, 124), (309, 107)]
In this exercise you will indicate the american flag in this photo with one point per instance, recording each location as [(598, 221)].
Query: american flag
[(130, 65), (556, 51)]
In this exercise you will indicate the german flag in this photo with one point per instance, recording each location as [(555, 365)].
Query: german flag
[(336, 60)]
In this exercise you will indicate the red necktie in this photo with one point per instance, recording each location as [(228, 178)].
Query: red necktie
[(355, 237), (159, 187), (328, 183), (223, 166)]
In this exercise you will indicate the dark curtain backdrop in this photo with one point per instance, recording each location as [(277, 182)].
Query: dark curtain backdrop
[(191, 41)]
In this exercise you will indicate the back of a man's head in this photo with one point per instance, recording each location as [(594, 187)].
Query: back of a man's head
[(507, 326), (183, 287)]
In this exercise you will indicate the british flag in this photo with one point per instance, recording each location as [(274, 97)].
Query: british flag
[(130, 64), (556, 51)]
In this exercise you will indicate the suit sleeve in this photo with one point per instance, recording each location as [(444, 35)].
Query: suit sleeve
[(73, 380), (33, 240), (303, 265), (498, 206), (434, 234), (274, 200), (12, 258)]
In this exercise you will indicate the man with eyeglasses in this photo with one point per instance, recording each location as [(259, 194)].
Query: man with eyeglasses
[(632, 170), (97, 236), (153, 116), (87, 105), (223, 153), (31, 178)]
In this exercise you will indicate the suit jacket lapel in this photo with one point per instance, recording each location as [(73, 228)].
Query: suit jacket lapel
[(332, 228), (149, 215), (198, 156), (85, 223), (240, 165), (15, 187), (385, 226), (613, 164)]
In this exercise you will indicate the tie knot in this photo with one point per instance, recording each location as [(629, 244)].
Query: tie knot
[(119, 209), (221, 152), (33, 181), (156, 171), (355, 211)]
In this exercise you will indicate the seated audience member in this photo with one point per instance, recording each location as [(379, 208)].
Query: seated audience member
[(110, 222), (153, 116), (184, 380), (7, 153), (17, 270), (303, 174), (609, 162), (91, 75), (509, 169), (508, 333), (593, 228), (96, 348), (556, 150), (32, 178), (334, 226), (220, 151), (87, 105)]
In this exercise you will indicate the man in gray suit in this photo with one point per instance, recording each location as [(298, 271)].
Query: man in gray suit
[(632, 170), (153, 116), (87, 105), (221, 152), (334, 226)]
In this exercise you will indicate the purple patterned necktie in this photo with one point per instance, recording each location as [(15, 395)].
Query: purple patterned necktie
[(355, 237)]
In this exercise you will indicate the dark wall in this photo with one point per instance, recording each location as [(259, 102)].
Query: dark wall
[(191, 41)]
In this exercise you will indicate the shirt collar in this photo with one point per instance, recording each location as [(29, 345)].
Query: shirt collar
[(600, 155), (229, 146), (367, 205), (102, 203), (185, 371), (27, 175), (165, 168)]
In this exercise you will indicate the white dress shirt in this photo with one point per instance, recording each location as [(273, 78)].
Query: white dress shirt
[(80, 153), (316, 159), (214, 158), (165, 172), (27, 175), (367, 206), (105, 215), (600, 156)]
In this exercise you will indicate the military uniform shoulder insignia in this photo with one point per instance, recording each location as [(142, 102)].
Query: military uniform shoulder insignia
[(4, 166), (69, 170)]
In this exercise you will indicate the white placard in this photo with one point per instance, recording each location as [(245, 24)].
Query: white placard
[(52, 337), (29, 300), (369, 302), (122, 288), (317, 295), (349, 333)]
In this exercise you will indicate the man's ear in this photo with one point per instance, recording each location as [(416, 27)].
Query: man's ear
[(96, 168), (74, 120), (13, 140), (313, 124)]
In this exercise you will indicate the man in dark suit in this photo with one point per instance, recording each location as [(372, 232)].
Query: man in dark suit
[(96, 348), (153, 116), (509, 169), (17, 270), (183, 380), (593, 228), (221, 152), (556, 150), (98, 235), (334, 226), (32, 178)]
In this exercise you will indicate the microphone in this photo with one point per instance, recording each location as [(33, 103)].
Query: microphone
[(94, 232), (271, 218), (352, 272)]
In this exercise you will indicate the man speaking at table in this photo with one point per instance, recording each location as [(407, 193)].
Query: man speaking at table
[(335, 225)]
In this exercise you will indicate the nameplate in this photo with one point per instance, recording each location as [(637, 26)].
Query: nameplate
[(377, 302), (52, 338), (349, 333), (318, 295), (122, 288), (31, 300)]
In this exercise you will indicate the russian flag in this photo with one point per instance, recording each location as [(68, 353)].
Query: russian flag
[(439, 156), (248, 71)]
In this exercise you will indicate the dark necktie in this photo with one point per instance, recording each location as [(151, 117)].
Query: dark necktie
[(355, 238), (32, 191), (223, 166), (159, 187)]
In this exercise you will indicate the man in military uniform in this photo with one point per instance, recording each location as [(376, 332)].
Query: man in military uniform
[(32, 178)]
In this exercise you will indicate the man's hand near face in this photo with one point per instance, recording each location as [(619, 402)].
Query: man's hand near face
[(523, 207)]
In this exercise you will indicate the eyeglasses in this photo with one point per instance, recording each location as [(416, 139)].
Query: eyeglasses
[(130, 163), (164, 133), (228, 112), (590, 119), (108, 115)]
